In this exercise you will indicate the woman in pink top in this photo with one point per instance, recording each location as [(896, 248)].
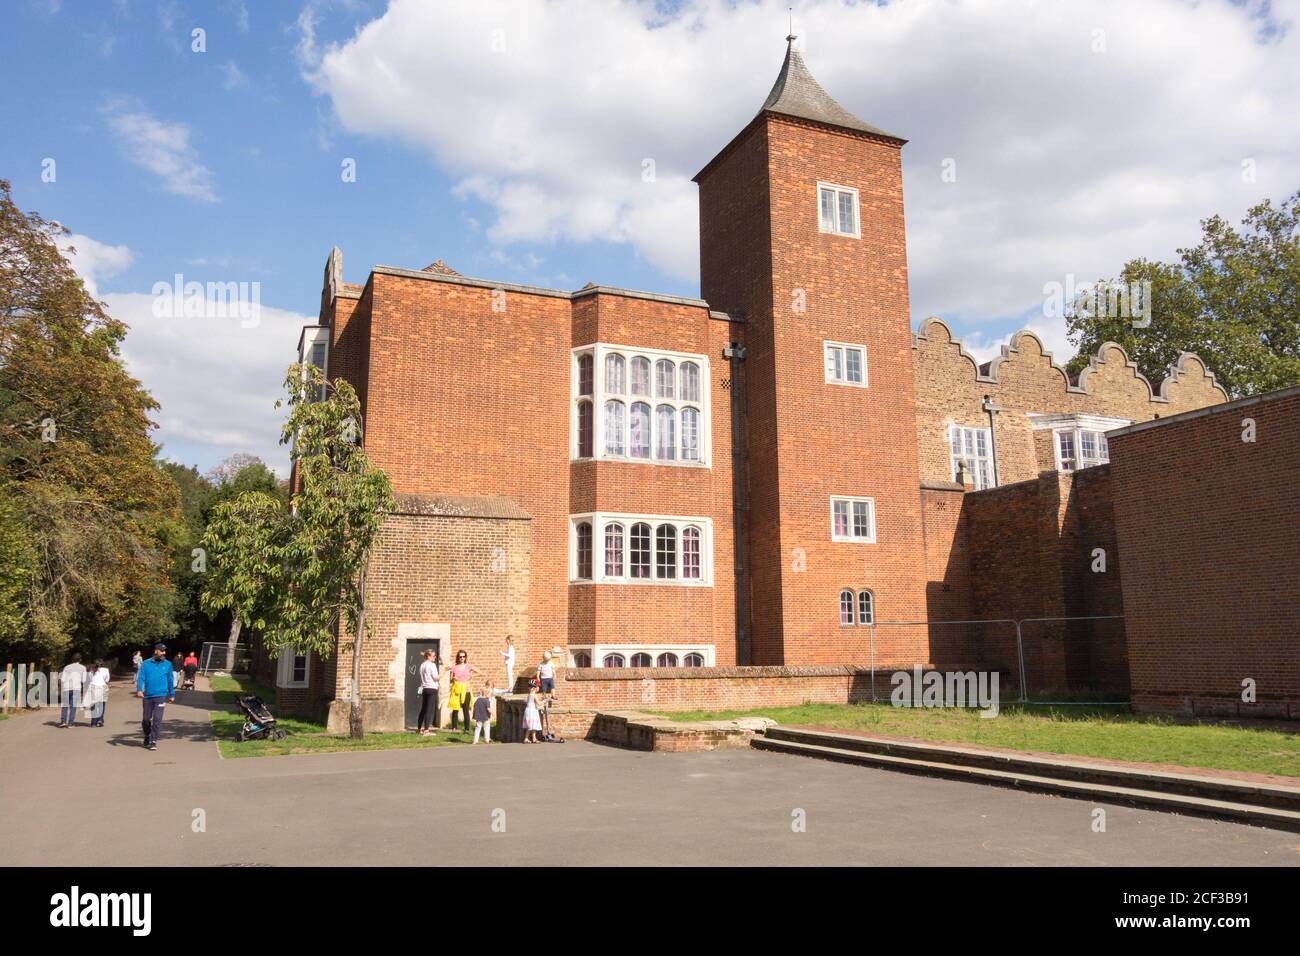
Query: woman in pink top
[(461, 698)]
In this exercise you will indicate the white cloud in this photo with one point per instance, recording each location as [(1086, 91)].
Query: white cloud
[(163, 149), (1068, 160), (232, 77), (94, 260)]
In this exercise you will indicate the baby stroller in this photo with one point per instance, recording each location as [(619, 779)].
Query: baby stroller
[(259, 723), (190, 671)]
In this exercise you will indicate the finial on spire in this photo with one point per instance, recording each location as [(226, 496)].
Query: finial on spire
[(791, 38)]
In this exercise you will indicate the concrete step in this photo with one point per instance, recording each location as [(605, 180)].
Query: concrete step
[(1272, 817), (1081, 771)]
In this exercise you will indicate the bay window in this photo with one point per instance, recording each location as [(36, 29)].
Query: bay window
[(638, 549)]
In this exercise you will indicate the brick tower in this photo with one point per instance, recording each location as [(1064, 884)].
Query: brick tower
[(801, 230)]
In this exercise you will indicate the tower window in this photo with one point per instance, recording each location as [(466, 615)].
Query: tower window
[(837, 208), (846, 364), (853, 519)]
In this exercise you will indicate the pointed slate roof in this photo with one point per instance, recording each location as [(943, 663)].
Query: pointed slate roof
[(797, 94)]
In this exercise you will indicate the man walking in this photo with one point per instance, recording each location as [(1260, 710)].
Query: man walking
[(72, 680), (156, 684)]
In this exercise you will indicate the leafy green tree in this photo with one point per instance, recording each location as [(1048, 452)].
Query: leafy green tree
[(97, 510), (1233, 299), (15, 568)]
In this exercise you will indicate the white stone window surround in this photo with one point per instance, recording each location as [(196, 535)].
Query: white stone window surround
[(600, 396), (844, 348), (599, 652), (828, 227), (852, 536), (979, 466), (1068, 429), (314, 349), (598, 522)]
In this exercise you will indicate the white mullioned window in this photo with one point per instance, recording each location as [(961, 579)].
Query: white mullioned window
[(853, 519), (974, 446), (640, 405), (846, 364), (1080, 448), (641, 549), (837, 210), (292, 669), (641, 655)]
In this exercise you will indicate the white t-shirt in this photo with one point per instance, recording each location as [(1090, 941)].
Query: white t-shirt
[(429, 675), (98, 689), (545, 670), (509, 655), (73, 677)]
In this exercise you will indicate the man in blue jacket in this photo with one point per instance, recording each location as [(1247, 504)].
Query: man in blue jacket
[(157, 685)]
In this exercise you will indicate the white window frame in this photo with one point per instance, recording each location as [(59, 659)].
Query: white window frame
[(857, 211), (599, 652), (598, 521), (1075, 425), (845, 348), (284, 669), (870, 537), (599, 351), (965, 456), (313, 336)]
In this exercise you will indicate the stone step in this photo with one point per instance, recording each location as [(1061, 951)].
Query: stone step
[(1272, 817), (1082, 771)]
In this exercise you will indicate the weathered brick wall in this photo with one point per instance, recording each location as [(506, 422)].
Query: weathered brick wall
[(1209, 528), (950, 390), (717, 688)]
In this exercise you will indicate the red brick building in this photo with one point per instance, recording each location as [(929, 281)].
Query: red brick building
[(756, 477)]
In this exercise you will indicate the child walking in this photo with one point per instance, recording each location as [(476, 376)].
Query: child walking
[(483, 716)]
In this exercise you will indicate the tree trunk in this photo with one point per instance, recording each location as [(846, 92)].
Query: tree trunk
[(232, 642), (355, 725)]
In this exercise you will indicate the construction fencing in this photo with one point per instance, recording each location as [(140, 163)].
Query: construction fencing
[(1064, 660)]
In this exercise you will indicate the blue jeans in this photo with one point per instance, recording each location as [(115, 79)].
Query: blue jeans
[(71, 701), (153, 715)]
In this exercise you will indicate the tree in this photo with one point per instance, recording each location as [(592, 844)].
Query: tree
[(1233, 299), (298, 574), (98, 514)]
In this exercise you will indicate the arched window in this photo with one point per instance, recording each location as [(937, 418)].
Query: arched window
[(693, 660), (613, 550), (640, 660), (639, 552), (614, 428), (690, 374), (581, 658), (584, 551), (639, 434), (640, 375), (614, 367), (584, 429), (665, 551), (846, 607), (584, 374), (665, 433), (866, 608), (690, 434), (666, 660), (691, 554), (614, 660), (664, 375)]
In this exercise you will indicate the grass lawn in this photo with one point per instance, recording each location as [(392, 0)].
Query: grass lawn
[(1085, 731), (304, 736)]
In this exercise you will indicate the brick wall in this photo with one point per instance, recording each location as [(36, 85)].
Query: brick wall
[(1208, 525)]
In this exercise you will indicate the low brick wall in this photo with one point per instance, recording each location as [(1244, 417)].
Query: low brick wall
[(629, 729), (718, 688)]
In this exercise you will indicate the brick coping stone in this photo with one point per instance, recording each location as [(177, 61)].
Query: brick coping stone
[(1276, 780)]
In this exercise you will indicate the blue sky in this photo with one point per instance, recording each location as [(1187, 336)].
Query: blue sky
[(508, 138)]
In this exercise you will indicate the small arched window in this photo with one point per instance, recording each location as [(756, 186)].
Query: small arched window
[(584, 429), (665, 372), (690, 434), (581, 658), (639, 432), (614, 660), (614, 432), (584, 374), (690, 376), (665, 433), (614, 372), (866, 608), (665, 552), (640, 375), (666, 660), (584, 551), (691, 554), (639, 551), (846, 607), (693, 660), (640, 660), (613, 550)]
